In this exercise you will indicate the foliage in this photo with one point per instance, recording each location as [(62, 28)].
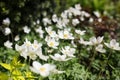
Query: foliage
[(57, 44)]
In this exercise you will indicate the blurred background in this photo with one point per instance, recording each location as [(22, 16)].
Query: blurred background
[(25, 12)]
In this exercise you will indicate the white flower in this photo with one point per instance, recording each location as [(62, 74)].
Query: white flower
[(52, 42), (44, 70), (96, 13), (82, 18), (7, 31), (40, 31), (75, 22), (86, 14), (59, 57), (113, 45), (8, 44), (50, 31), (91, 20), (38, 21), (95, 40), (100, 49), (46, 21), (65, 34), (26, 29), (73, 44), (54, 18), (6, 21), (81, 41), (31, 50), (80, 32), (99, 20), (68, 51), (22, 50), (78, 7), (16, 38)]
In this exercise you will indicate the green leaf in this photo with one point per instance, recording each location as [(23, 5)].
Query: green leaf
[(6, 66), (3, 76)]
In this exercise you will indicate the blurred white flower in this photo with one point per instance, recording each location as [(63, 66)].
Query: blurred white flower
[(26, 29), (65, 34), (78, 7), (31, 50), (8, 44), (75, 22), (52, 42), (40, 31), (44, 70), (6, 21), (7, 31), (95, 40), (80, 32), (73, 44), (100, 49), (22, 50), (38, 21), (68, 51), (17, 38), (113, 45), (81, 41), (86, 14), (54, 18), (46, 21), (96, 13), (82, 18), (91, 20), (99, 20), (59, 57), (50, 32)]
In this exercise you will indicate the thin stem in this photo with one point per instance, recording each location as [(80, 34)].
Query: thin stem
[(100, 73), (92, 59)]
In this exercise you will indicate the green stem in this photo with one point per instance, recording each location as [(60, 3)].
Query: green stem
[(92, 59), (100, 73)]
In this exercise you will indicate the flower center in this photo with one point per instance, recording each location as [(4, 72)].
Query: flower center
[(65, 35), (42, 69), (51, 44)]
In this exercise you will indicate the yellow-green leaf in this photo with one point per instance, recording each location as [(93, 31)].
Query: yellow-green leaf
[(6, 66)]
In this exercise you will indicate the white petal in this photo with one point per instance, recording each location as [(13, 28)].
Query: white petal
[(36, 65)]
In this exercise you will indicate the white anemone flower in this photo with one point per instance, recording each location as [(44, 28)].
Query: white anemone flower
[(40, 31), (113, 45), (46, 21), (95, 40), (68, 51), (75, 22), (81, 41), (8, 44), (26, 29), (7, 31), (22, 50), (78, 7), (52, 42), (44, 70), (6, 21), (65, 34), (100, 49), (17, 38), (50, 31), (58, 57), (80, 32), (54, 18), (96, 13)]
